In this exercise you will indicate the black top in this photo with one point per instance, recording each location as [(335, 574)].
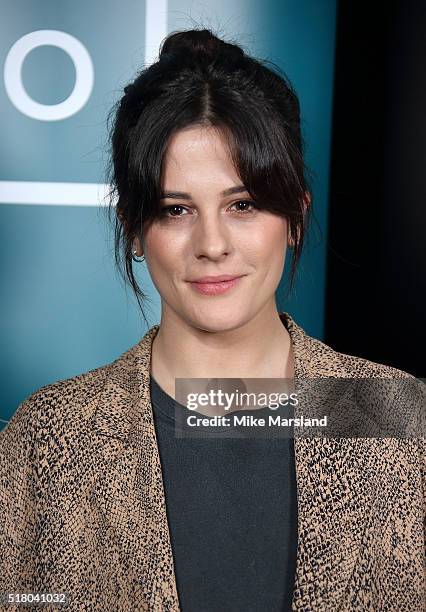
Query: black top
[(232, 514)]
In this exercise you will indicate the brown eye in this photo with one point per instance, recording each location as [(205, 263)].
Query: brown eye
[(172, 209), (246, 204)]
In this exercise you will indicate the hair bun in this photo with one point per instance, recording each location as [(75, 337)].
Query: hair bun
[(198, 42)]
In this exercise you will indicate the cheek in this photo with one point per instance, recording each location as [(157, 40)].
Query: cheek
[(158, 247), (269, 240), (165, 254)]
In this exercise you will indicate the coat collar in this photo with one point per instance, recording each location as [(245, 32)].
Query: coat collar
[(131, 498), (128, 378)]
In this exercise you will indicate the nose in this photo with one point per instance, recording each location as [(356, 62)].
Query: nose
[(211, 236)]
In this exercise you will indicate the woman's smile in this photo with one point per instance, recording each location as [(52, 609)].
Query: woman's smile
[(215, 288)]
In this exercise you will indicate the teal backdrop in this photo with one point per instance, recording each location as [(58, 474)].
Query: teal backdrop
[(64, 309)]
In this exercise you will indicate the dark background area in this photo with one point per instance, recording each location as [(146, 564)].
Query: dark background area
[(376, 262)]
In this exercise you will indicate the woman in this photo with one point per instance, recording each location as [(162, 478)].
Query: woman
[(101, 501)]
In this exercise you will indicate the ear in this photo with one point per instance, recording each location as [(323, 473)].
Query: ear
[(306, 201), (121, 219), (137, 245)]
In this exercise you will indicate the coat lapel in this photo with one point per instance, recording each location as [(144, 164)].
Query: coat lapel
[(131, 501), (130, 494)]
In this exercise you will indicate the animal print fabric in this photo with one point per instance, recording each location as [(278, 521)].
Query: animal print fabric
[(82, 505)]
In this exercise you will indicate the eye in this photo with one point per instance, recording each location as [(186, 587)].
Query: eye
[(172, 211), (246, 203), (166, 209)]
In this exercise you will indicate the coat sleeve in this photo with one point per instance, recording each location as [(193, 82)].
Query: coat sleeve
[(18, 501), (422, 444)]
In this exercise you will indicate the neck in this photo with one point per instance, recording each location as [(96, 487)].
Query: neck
[(260, 348)]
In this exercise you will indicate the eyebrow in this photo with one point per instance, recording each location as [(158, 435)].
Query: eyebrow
[(181, 195)]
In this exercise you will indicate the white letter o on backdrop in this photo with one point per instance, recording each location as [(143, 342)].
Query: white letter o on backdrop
[(83, 81)]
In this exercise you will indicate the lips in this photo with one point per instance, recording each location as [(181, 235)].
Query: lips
[(216, 279), (219, 285)]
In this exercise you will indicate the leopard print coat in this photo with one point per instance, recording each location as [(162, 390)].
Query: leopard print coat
[(82, 504)]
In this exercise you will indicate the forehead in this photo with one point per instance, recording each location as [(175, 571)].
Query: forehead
[(196, 152)]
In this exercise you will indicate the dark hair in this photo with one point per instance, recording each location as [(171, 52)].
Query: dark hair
[(200, 79)]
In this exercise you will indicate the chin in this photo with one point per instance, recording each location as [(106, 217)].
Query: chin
[(214, 320)]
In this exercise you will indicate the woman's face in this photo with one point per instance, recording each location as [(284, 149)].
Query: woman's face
[(210, 233)]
